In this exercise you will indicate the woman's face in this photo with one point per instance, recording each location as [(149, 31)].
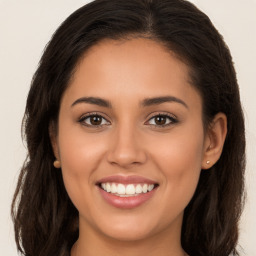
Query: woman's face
[(130, 140)]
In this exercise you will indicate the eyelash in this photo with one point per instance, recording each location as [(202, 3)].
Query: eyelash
[(172, 120), (90, 115)]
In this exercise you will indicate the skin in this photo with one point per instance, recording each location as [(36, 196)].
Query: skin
[(130, 142)]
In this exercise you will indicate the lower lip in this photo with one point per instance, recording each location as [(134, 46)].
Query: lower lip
[(126, 202)]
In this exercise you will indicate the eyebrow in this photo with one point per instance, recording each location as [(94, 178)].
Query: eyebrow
[(159, 100), (93, 100), (145, 103)]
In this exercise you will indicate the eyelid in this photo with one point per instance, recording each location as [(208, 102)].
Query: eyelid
[(89, 114), (151, 116), (166, 114)]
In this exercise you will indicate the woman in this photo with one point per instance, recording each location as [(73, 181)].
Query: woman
[(135, 136)]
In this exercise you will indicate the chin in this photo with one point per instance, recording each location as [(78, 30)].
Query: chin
[(128, 234), (127, 228)]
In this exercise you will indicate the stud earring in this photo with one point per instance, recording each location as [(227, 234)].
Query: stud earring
[(56, 164), (207, 162)]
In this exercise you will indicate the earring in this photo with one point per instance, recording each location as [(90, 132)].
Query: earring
[(56, 164), (207, 162)]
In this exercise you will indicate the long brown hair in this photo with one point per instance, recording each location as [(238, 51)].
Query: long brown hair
[(45, 219)]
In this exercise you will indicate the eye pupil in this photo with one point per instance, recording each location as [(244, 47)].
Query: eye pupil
[(95, 120), (160, 120)]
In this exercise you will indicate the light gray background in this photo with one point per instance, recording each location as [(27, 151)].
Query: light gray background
[(25, 28)]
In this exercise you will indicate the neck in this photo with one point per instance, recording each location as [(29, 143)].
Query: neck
[(94, 243)]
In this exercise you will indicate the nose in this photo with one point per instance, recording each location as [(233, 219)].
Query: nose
[(126, 149)]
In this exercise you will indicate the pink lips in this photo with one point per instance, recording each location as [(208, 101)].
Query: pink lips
[(126, 180), (126, 202)]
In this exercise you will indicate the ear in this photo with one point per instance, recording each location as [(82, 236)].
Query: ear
[(54, 139), (214, 140)]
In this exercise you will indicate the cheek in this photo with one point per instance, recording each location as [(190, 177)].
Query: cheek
[(179, 160), (181, 149), (80, 156), (80, 152), (182, 166)]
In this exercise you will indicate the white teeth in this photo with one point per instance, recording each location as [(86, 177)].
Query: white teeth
[(130, 189), (139, 189), (145, 188), (120, 189), (108, 187), (113, 188), (150, 187), (126, 190)]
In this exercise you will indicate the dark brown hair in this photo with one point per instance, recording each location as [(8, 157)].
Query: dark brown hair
[(45, 219)]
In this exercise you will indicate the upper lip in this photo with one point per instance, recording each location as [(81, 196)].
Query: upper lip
[(133, 179)]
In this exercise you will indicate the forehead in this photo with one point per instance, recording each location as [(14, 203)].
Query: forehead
[(140, 56), (131, 69)]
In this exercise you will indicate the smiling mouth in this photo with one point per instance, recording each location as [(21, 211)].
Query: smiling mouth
[(127, 190)]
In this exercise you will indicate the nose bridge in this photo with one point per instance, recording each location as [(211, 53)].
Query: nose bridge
[(126, 148)]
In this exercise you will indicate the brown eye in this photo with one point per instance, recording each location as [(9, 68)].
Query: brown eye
[(162, 120), (93, 120)]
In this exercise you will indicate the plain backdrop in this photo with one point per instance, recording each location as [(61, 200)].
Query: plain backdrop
[(25, 28)]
